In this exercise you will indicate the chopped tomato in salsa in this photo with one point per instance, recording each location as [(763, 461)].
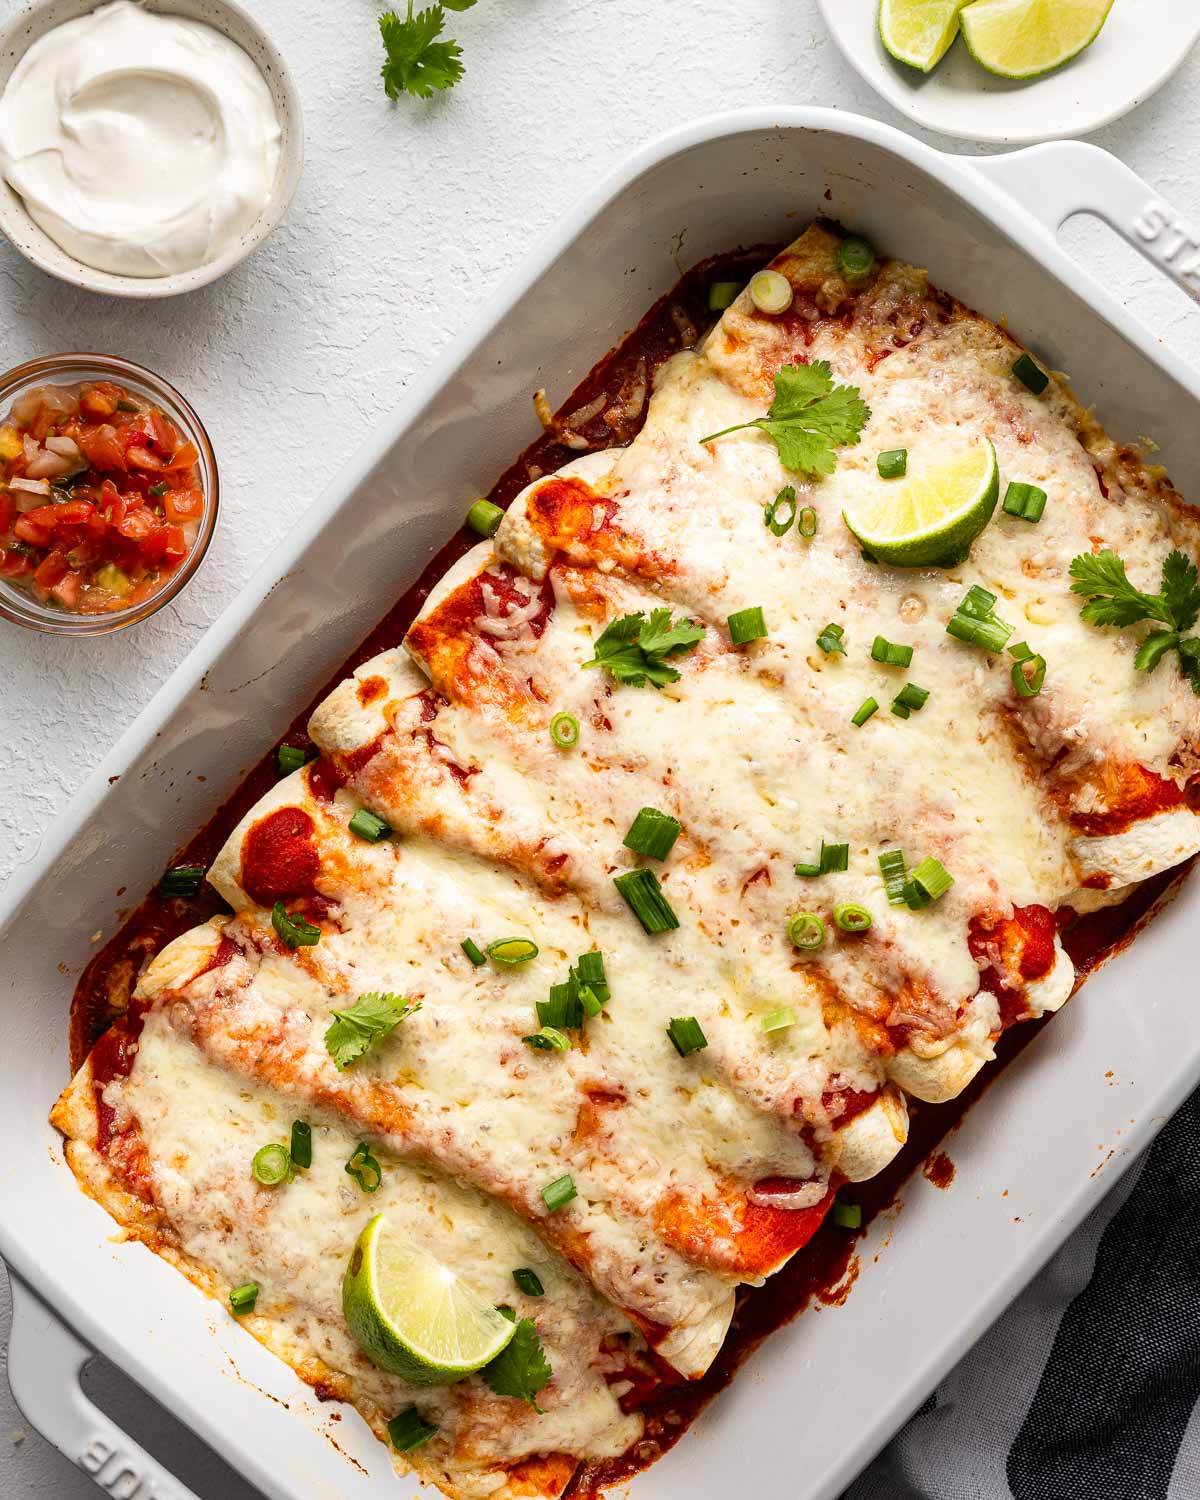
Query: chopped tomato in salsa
[(100, 497)]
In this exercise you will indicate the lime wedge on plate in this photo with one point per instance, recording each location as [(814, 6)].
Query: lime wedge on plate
[(931, 518), (919, 32), (412, 1316), (1025, 38)]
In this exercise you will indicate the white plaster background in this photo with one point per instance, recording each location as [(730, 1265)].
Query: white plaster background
[(405, 219)]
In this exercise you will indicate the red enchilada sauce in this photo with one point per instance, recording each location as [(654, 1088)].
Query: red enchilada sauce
[(823, 1269)]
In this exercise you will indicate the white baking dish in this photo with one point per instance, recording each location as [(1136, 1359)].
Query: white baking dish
[(1034, 1155)]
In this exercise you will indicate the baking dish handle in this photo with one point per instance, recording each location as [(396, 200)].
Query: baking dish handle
[(1061, 178), (45, 1360)]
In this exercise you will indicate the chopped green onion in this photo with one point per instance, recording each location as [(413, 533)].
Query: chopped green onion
[(977, 602), (159, 490), (366, 826), (832, 859), (529, 1282), (991, 635), (289, 758), (855, 259), (846, 1215), (293, 929), (652, 833), (771, 513), (830, 640), (930, 879), (365, 1170), (1029, 670), (588, 999), (564, 731), (864, 711), (893, 464), (125, 405), (770, 292), (976, 623), (301, 1152), (909, 700), (807, 524), (1150, 652), (890, 654), (559, 1192), (512, 951), (409, 1430), (779, 1020), (471, 949), (183, 880), (1031, 374), (849, 916), (806, 930), (914, 896), (723, 294), (548, 1040), (649, 905), (484, 517), (243, 1298), (892, 869), (686, 1035), (590, 969), (564, 1009), (271, 1165), (747, 625), (1024, 500)]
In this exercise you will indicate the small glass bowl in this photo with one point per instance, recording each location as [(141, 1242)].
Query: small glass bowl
[(70, 369)]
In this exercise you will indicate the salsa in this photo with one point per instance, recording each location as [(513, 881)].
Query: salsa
[(100, 497)]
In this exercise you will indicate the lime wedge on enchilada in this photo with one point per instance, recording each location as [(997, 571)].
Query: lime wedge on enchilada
[(1026, 38), (931, 519), (919, 32), (412, 1315)]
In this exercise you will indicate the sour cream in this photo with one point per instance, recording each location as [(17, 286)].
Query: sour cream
[(143, 144)]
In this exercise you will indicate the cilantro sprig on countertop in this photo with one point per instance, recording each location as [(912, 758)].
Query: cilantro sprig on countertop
[(372, 1017), (521, 1369), (1113, 600), (417, 61), (809, 418), (635, 649)]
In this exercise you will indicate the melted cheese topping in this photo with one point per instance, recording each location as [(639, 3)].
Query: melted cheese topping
[(693, 1174)]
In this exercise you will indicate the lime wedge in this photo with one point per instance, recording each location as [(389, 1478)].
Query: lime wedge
[(931, 518), (1025, 38), (919, 32), (412, 1316)]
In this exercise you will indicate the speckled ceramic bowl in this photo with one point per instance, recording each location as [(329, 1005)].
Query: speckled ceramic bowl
[(33, 20)]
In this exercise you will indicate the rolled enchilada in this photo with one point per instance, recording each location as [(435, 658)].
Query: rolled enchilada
[(694, 1169)]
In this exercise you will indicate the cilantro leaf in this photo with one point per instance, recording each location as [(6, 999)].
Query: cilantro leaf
[(662, 637), (798, 386), (521, 1368), (1112, 600), (1101, 578), (809, 418), (458, 4), (1189, 661), (635, 649), (417, 63), (1180, 590), (372, 1017)]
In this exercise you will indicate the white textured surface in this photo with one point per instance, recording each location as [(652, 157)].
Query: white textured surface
[(406, 217)]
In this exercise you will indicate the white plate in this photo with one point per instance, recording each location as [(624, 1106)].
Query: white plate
[(1142, 44)]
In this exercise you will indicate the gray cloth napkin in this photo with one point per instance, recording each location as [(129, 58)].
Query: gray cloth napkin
[(1087, 1388)]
